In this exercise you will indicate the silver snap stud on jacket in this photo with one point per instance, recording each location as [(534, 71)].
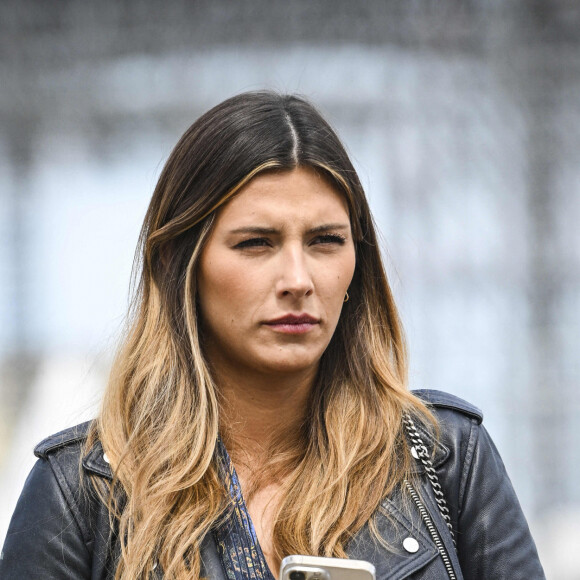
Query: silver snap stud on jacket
[(105, 458), (411, 545)]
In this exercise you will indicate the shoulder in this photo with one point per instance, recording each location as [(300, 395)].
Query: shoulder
[(59, 523), (440, 401), (483, 505), (73, 437), (459, 424), (66, 450)]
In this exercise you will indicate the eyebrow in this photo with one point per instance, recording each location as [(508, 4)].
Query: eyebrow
[(265, 231)]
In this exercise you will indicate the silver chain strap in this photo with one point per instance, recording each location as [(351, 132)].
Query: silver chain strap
[(423, 456), (435, 535)]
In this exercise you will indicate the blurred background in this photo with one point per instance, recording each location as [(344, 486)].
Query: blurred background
[(463, 119)]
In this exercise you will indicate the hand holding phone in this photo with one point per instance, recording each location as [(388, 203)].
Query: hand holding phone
[(318, 568)]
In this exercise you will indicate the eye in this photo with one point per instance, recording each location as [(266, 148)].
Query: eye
[(330, 239), (252, 243)]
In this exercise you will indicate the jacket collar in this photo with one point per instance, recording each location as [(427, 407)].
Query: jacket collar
[(439, 452), (95, 461)]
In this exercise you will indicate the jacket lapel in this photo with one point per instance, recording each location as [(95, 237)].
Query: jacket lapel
[(396, 521), (407, 546), (95, 461), (392, 562)]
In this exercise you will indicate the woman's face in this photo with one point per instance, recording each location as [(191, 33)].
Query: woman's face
[(273, 275)]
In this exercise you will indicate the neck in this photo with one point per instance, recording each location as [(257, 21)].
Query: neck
[(257, 409)]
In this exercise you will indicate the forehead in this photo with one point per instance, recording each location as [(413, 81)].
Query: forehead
[(301, 193)]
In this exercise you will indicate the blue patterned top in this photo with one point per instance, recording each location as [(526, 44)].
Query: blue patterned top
[(235, 536)]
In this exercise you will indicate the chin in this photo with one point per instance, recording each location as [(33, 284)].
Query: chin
[(292, 365)]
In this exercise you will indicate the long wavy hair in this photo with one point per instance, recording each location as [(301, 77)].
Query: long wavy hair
[(160, 416)]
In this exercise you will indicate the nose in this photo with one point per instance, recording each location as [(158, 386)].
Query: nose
[(295, 278)]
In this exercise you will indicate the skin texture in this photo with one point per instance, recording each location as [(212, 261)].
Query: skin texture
[(282, 246), (247, 279)]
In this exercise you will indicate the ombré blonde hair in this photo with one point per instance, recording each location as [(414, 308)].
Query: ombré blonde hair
[(161, 414)]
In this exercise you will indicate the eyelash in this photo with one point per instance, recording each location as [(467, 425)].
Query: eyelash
[(252, 243), (332, 239), (261, 242)]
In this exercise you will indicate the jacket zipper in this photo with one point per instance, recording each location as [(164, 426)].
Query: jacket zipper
[(432, 530)]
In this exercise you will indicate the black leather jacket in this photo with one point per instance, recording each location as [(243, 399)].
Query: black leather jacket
[(60, 530)]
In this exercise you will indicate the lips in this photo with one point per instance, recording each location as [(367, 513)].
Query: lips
[(293, 323), (294, 319)]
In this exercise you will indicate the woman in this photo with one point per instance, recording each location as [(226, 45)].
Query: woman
[(264, 356)]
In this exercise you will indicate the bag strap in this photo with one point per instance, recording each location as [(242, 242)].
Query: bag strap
[(419, 451)]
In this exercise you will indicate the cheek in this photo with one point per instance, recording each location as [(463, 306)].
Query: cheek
[(225, 291), (335, 281), (227, 284), (212, 290), (346, 270)]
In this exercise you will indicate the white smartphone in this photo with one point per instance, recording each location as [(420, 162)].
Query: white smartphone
[(317, 568)]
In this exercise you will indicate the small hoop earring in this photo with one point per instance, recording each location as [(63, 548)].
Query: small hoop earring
[(346, 297)]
